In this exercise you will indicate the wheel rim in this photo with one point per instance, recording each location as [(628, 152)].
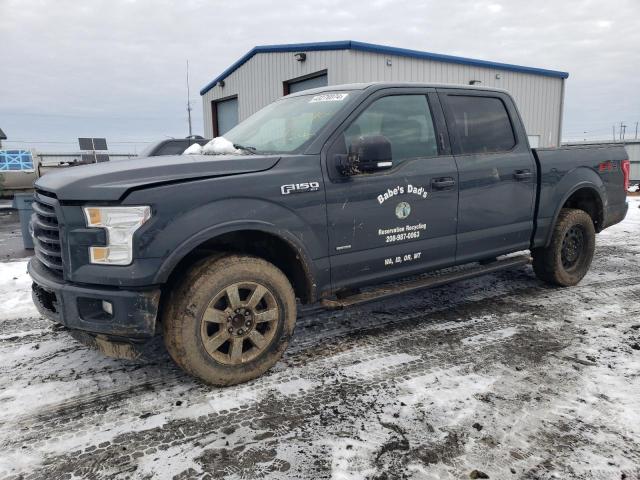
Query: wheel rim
[(239, 323), (573, 245)]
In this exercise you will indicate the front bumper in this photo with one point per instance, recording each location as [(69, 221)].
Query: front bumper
[(134, 312)]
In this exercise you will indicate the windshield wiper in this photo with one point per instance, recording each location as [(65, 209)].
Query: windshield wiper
[(251, 150)]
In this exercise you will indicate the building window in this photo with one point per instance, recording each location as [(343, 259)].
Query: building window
[(313, 80), (224, 115)]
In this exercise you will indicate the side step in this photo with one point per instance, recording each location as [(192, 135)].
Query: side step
[(391, 290)]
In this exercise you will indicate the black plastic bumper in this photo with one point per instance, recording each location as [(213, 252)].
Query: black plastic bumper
[(616, 214), (134, 312)]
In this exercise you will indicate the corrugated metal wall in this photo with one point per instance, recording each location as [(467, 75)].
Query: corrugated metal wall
[(633, 149), (259, 82)]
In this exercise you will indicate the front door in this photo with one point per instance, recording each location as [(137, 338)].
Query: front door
[(399, 221), (496, 171)]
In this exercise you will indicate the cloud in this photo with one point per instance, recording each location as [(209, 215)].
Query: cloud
[(117, 68)]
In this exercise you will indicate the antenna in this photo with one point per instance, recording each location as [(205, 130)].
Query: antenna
[(188, 100)]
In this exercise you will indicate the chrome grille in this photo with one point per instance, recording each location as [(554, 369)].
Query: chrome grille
[(46, 233)]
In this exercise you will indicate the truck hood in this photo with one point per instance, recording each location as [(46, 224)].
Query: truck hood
[(110, 181)]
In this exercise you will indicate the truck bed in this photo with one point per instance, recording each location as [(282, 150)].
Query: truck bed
[(563, 171)]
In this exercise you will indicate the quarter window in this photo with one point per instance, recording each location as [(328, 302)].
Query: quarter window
[(481, 124), (405, 120)]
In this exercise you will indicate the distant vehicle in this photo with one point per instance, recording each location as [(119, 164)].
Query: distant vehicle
[(17, 172), (171, 146), (328, 190)]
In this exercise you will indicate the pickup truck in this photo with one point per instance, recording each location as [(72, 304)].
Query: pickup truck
[(330, 197)]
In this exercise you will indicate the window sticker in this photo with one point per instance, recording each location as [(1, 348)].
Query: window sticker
[(329, 97)]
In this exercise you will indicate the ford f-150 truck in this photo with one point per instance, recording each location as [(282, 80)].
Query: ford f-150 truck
[(326, 195)]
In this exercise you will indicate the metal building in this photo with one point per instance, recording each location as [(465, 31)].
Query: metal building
[(269, 72)]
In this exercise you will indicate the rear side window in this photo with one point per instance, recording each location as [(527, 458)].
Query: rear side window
[(481, 124)]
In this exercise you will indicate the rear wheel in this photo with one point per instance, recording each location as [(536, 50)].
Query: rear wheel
[(230, 319), (568, 257)]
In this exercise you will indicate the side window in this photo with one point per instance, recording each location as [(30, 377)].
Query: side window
[(406, 122), (481, 124)]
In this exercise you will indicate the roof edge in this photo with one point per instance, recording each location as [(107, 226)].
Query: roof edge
[(371, 47)]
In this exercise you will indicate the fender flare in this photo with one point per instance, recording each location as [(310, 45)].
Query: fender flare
[(209, 233), (584, 184)]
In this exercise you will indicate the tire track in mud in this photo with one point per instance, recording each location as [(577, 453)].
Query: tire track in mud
[(362, 338), (350, 334), (326, 365)]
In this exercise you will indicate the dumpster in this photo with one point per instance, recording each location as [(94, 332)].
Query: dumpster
[(22, 202)]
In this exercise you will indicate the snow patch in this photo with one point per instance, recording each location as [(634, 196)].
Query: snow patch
[(293, 387), (195, 149), (231, 399), (351, 459), (220, 146), (371, 367), (491, 337), (15, 291)]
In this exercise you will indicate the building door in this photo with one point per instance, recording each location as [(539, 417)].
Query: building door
[(496, 171), (306, 83), (398, 221), (225, 115)]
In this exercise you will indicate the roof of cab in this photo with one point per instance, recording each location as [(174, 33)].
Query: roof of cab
[(370, 47), (381, 85)]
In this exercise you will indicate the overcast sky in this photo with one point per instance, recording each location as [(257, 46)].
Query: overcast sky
[(116, 68)]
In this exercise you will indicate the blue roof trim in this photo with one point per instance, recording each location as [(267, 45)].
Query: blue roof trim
[(370, 47)]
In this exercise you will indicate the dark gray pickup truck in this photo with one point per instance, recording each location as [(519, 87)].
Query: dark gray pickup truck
[(326, 195)]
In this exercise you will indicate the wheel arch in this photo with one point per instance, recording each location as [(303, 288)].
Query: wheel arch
[(256, 238), (584, 196)]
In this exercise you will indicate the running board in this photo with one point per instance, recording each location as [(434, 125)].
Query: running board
[(388, 291)]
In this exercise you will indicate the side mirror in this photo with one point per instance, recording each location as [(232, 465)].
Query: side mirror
[(367, 154)]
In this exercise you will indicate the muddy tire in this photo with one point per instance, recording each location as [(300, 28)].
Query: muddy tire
[(230, 319), (568, 257)]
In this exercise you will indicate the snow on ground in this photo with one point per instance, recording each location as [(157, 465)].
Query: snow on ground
[(15, 291), (499, 374)]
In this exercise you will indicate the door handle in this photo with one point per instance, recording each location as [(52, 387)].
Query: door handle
[(522, 174), (442, 183)]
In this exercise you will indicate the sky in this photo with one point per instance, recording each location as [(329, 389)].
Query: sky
[(116, 68)]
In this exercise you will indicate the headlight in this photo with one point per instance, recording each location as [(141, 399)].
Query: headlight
[(120, 224)]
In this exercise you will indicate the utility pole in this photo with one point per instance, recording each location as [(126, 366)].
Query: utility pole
[(188, 100), (623, 127), (636, 137), (613, 129)]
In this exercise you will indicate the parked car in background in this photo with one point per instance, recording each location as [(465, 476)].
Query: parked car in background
[(171, 146)]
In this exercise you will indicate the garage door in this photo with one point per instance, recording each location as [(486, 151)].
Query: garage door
[(314, 82), (227, 115)]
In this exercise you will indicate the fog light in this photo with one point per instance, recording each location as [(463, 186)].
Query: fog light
[(107, 307)]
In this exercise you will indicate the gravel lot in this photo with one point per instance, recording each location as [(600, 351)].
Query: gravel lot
[(500, 375)]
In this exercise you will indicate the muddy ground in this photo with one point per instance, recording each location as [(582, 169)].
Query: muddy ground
[(499, 376)]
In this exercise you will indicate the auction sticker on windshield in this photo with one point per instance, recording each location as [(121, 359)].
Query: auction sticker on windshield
[(329, 97)]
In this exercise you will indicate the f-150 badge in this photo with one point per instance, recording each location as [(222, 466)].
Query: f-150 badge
[(299, 187)]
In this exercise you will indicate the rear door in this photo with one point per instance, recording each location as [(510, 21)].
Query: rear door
[(496, 171), (398, 221)]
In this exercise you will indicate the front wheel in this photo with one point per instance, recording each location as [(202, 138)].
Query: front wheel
[(568, 257), (230, 319)]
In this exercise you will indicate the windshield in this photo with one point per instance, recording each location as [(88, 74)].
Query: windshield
[(284, 126)]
